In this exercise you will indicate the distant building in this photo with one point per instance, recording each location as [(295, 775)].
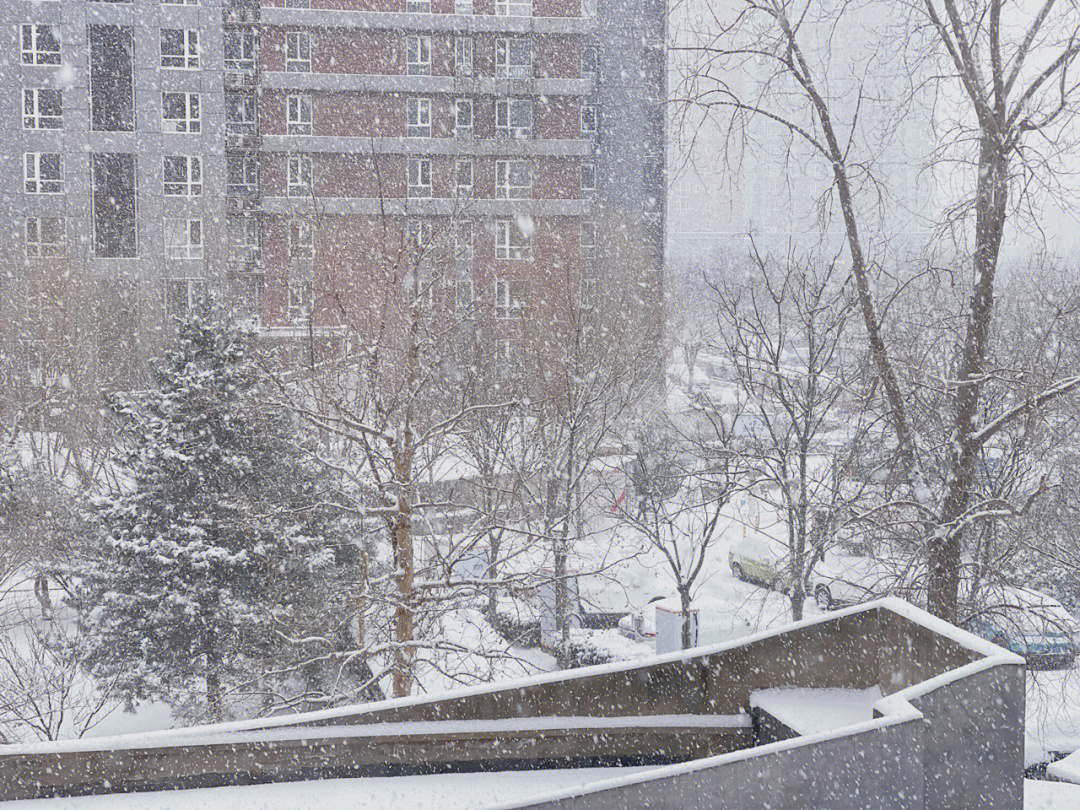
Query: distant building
[(164, 147)]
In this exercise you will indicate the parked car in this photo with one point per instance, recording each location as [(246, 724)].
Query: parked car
[(760, 559), (842, 580), (1028, 623)]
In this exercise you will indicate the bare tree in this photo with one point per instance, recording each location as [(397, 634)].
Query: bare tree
[(784, 333), (1006, 68)]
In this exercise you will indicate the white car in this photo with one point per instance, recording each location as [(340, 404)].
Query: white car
[(847, 580)]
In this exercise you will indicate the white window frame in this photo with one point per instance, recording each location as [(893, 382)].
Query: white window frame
[(418, 117), (506, 247), (179, 2), (300, 300), (587, 244), (297, 51), (34, 182), (464, 241), (33, 117), (188, 58), (513, 8), (249, 45), (509, 182), (191, 185), (419, 233), (418, 178), (589, 120), (30, 50), (465, 299), (299, 114), (463, 166), (508, 305), (184, 238), (463, 6), (463, 55), (504, 68), (191, 123), (194, 289), (36, 245), (463, 118), (418, 6), (248, 240), (245, 189), (301, 239), (418, 55), (247, 126), (299, 176), (588, 177), (509, 109)]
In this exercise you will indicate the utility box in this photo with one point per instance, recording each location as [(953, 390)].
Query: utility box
[(669, 626), (548, 636)]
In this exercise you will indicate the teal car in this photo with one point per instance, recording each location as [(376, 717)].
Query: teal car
[(1030, 624)]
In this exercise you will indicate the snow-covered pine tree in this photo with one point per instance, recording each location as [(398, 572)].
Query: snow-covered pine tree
[(217, 536)]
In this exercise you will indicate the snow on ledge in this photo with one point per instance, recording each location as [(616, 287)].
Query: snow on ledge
[(1067, 769)]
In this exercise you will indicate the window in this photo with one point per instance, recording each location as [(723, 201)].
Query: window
[(588, 177), (463, 241), (590, 60), (588, 120), (463, 118), (299, 176), (510, 299), (246, 240), (241, 175), (588, 8), (42, 109), (183, 238), (44, 237), (240, 49), (513, 8), (299, 300), (588, 244), (182, 176), (513, 118), (113, 205), (39, 44), (588, 293), (180, 112), (419, 234), (179, 2), (298, 52), (513, 179), (418, 56), (513, 58), (182, 295), (301, 239), (112, 78), (418, 6), (419, 179), (510, 241), (463, 56), (463, 6), (297, 3), (418, 117), (240, 116), (43, 173), (465, 300), (179, 48), (463, 177), (298, 109)]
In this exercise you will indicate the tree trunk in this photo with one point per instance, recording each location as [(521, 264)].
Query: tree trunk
[(404, 572), (214, 696), (944, 549), (684, 602)]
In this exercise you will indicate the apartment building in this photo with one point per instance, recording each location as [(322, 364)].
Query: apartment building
[(268, 148)]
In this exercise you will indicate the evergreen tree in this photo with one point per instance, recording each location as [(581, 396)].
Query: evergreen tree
[(217, 537)]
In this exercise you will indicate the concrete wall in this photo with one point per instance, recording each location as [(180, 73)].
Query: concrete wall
[(874, 770)]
